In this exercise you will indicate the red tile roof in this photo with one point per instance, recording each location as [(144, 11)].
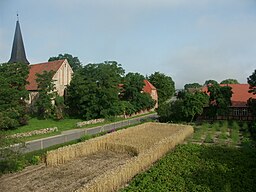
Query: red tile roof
[(148, 87), (240, 94), (39, 68)]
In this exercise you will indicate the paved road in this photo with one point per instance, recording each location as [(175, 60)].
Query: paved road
[(78, 133)]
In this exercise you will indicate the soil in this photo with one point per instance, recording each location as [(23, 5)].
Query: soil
[(65, 177)]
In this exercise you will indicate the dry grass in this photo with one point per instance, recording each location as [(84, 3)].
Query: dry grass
[(147, 143)]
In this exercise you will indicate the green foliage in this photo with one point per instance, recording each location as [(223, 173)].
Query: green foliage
[(194, 103), (211, 82), (220, 100), (133, 84), (193, 168), (93, 91), (184, 109), (229, 81), (74, 62), (164, 85), (192, 85), (47, 93), (252, 82), (13, 95)]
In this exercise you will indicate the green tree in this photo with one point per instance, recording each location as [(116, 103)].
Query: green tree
[(46, 94), (194, 103), (229, 81), (192, 85), (13, 95), (210, 82), (164, 85), (133, 86), (252, 89), (74, 62), (93, 91), (220, 99), (252, 82)]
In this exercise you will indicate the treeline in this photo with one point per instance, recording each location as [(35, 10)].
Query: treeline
[(192, 102), (96, 91)]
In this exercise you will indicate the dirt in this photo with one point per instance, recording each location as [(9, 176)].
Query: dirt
[(65, 177)]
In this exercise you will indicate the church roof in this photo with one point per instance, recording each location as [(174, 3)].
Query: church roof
[(18, 51), (40, 68)]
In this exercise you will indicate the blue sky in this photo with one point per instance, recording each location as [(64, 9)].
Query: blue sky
[(191, 41)]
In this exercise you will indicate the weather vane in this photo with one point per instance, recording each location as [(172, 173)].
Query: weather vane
[(17, 16)]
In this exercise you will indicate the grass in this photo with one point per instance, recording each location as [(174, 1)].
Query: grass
[(62, 125)]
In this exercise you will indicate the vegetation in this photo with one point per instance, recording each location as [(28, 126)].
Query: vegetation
[(74, 62), (196, 168), (220, 100), (186, 108), (216, 165), (210, 82), (192, 85), (164, 85), (252, 102), (229, 81), (13, 94)]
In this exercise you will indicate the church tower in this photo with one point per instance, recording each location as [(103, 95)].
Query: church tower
[(18, 51)]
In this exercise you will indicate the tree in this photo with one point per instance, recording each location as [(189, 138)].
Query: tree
[(74, 62), (210, 82), (13, 95), (229, 81), (192, 85), (164, 85), (132, 92), (194, 103), (186, 108), (46, 94), (252, 82), (93, 91), (252, 89), (220, 100)]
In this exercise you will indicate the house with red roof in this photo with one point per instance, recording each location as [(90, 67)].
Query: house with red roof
[(239, 109), (151, 90), (62, 76)]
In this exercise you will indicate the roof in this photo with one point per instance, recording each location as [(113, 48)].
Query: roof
[(240, 94), (148, 87), (18, 51), (39, 68)]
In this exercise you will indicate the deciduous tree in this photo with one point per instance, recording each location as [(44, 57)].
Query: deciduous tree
[(74, 62), (229, 81), (164, 85)]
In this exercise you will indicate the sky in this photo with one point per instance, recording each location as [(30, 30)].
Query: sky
[(190, 41)]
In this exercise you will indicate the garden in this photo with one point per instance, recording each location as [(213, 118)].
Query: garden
[(219, 157)]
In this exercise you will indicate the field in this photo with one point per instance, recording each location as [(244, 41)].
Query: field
[(219, 157), (102, 164)]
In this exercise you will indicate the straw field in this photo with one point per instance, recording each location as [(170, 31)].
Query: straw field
[(113, 160)]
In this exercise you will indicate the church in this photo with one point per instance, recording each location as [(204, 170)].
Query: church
[(63, 71)]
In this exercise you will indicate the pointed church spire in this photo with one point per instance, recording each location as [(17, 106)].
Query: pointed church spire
[(18, 50)]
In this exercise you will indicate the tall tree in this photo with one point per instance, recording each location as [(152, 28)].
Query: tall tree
[(46, 94), (93, 91), (252, 89), (192, 85), (252, 82), (13, 94), (74, 62), (133, 86), (229, 81), (164, 85), (220, 99), (210, 82)]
